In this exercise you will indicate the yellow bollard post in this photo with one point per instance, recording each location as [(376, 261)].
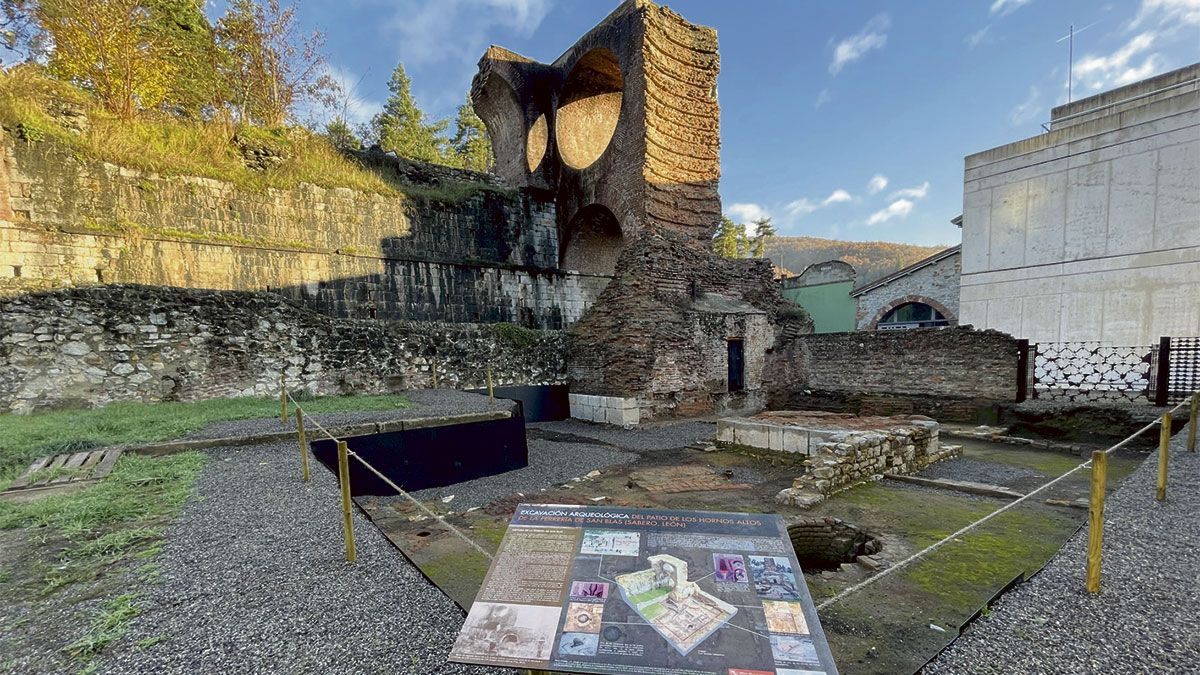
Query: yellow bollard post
[(1164, 441), (491, 397), (344, 479), (1096, 520), (283, 400), (303, 442), (1192, 422)]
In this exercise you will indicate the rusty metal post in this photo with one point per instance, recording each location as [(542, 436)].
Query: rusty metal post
[(1192, 421), (1096, 520), (1164, 441), (344, 479), (491, 396), (283, 415), (300, 437)]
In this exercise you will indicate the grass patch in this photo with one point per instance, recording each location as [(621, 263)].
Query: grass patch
[(162, 144), (24, 438), (110, 624), (652, 594)]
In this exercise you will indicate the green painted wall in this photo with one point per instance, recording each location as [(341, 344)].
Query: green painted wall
[(831, 307)]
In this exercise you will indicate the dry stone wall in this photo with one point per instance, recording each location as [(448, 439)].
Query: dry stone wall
[(92, 346), (488, 255)]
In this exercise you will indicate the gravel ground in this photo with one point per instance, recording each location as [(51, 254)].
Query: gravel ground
[(978, 471), (423, 403), (1143, 619), (664, 436), (253, 580), (550, 463)]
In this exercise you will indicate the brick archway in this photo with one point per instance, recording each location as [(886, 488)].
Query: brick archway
[(883, 311)]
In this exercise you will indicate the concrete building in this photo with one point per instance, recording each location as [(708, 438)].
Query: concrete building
[(1092, 230), (922, 295), (823, 290)]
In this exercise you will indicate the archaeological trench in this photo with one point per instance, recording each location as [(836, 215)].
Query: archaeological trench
[(579, 279)]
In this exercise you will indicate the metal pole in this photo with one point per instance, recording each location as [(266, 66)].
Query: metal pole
[(344, 479), (433, 372), (1164, 440), (1192, 421), (491, 396), (303, 442), (1096, 520)]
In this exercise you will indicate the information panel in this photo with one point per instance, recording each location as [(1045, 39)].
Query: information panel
[(610, 590)]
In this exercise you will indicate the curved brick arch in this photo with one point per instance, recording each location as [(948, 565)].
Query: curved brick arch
[(904, 300)]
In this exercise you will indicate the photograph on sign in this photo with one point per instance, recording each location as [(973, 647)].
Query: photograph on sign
[(613, 590)]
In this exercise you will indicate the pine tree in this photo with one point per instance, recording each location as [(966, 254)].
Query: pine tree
[(470, 146), (725, 242), (401, 127), (743, 241), (341, 136), (187, 39), (763, 230)]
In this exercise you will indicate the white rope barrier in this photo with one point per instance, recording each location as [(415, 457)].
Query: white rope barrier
[(967, 528)]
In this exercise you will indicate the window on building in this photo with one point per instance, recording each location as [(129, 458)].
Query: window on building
[(913, 315)]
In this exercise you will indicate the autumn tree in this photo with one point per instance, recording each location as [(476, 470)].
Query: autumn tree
[(763, 230), (186, 38), (272, 67), (401, 127), (470, 147), (725, 241), (110, 47)]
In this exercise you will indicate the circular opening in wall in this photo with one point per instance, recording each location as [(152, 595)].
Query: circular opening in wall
[(589, 108), (536, 142), (826, 543)]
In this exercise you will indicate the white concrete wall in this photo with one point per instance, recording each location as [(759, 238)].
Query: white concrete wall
[(605, 409), (1090, 232)]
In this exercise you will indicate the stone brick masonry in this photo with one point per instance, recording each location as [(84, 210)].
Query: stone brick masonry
[(92, 346), (490, 256)]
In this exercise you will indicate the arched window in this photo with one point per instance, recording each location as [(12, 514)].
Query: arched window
[(912, 315)]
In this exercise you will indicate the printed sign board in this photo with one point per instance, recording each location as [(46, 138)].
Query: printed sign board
[(590, 589)]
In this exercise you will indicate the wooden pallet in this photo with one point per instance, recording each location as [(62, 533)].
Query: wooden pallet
[(43, 477)]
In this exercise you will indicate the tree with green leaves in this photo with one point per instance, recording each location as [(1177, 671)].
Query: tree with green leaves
[(470, 147), (725, 241), (763, 230), (401, 127), (341, 136), (186, 36)]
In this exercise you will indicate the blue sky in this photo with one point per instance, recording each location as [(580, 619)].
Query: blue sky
[(839, 119)]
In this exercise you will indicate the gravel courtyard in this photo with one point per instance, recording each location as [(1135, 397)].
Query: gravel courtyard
[(1143, 619)]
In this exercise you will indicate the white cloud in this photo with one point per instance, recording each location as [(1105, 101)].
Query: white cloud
[(1006, 7), (836, 197), (1117, 68), (1027, 109), (746, 213), (800, 207), (877, 183), (431, 32), (897, 209), (918, 192), (1185, 12), (823, 97), (850, 49), (978, 37)]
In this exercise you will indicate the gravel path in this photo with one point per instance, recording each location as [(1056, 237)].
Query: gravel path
[(253, 580), (550, 463), (665, 436), (978, 471), (1143, 619), (423, 403)]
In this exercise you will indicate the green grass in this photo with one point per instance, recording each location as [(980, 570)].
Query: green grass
[(651, 594), (163, 144), (110, 624), (24, 438)]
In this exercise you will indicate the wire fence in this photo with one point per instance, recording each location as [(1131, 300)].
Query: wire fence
[(346, 453), (1164, 420)]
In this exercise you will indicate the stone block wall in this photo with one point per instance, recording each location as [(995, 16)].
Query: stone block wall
[(947, 373), (92, 346), (605, 409), (487, 255), (935, 284)]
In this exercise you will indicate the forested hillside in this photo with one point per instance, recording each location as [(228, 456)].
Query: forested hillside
[(872, 259)]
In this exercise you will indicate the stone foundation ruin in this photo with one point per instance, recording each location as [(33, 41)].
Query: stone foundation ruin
[(842, 449), (826, 543)]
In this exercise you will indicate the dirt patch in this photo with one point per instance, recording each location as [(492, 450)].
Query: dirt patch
[(672, 479)]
